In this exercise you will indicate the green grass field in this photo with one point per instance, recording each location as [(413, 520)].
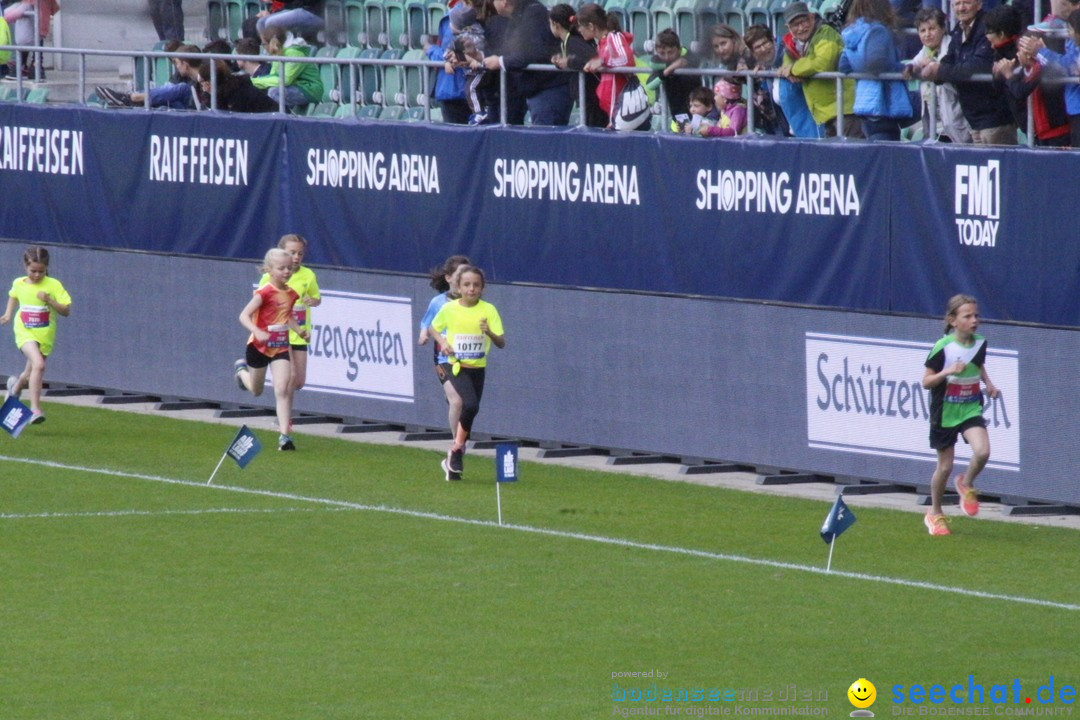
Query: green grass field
[(349, 581)]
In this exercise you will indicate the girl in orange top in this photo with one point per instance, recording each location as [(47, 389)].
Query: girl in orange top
[(268, 315)]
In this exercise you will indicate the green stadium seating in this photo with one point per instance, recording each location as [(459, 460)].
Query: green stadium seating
[(731, 13), (416, 20), (663, 16), (217, 20), (323, 109), (347, 78), (334, 31), (370, 77), (776, 8), (355, 23), (397, 25), (414, 81), (436, 10), (639, 20), (37, 96), (235, 13), (391, 79), (392, 112), (758, 13), (328, 73), (375, 23), (693, 18), (369, 111)]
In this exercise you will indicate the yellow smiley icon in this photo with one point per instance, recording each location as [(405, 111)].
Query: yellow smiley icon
[(862, 693)]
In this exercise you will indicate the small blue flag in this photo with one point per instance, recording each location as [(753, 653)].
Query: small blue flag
[(14, 415), (244, 447), (506, 466), (839, 519)]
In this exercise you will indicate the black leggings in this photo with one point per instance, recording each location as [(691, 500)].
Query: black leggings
[(469, 383)]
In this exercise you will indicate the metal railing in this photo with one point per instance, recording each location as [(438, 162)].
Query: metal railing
[(353, 68)]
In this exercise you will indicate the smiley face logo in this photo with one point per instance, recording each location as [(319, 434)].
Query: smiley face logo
[(862, 693)]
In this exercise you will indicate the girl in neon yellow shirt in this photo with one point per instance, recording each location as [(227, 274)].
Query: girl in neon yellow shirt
[(39, 299), (465, 330)]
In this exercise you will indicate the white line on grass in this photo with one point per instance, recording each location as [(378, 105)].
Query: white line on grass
[(344, 504), (157, 513)]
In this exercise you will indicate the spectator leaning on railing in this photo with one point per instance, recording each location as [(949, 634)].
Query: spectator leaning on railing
[(528, 41), (814, 47), (948, 124), (870, 47), (1066, 63), (970, 53)]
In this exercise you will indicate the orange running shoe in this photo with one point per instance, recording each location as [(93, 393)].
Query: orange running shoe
[(936, 524), (969, 499)]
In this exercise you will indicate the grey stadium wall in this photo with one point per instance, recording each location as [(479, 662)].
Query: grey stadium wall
[(827, 391)]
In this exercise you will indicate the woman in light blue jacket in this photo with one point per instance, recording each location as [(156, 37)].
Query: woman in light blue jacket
[(870, 47)]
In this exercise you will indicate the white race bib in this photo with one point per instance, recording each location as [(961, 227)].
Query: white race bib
[(469, 347)]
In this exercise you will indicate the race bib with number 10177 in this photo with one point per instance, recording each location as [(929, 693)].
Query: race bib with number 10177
[(469, 347)]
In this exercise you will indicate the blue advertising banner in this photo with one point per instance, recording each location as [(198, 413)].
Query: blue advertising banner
[(868, 226), (987, 223)]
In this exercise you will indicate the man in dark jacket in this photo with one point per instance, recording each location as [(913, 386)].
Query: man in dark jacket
[(985, 106), (529, 41)]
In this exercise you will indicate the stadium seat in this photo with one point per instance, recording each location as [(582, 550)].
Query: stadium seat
[(370, 77), (414, 114), (37, 96), (693, 18), (323, 109), (217, 20), (776, 9), (160, 69), (416, 23), (397, 25), (758, 13), (663, 16), (392, 112), (827, 6), (375, 24), (640, 23), (618, 9), (328, 73), (414, 81), (235, 12), (334, 31), (392, 79), (731, 13), (92, 100), (345, 111), (436, 9), (349, 77), (355, 23), (370, 112)]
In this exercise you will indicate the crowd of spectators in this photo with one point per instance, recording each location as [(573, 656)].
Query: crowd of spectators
[(1032, 65)]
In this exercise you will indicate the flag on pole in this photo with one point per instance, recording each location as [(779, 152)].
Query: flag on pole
[(14, 416), (243, 449), (839, 519), (506, 455), (506, 470)]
